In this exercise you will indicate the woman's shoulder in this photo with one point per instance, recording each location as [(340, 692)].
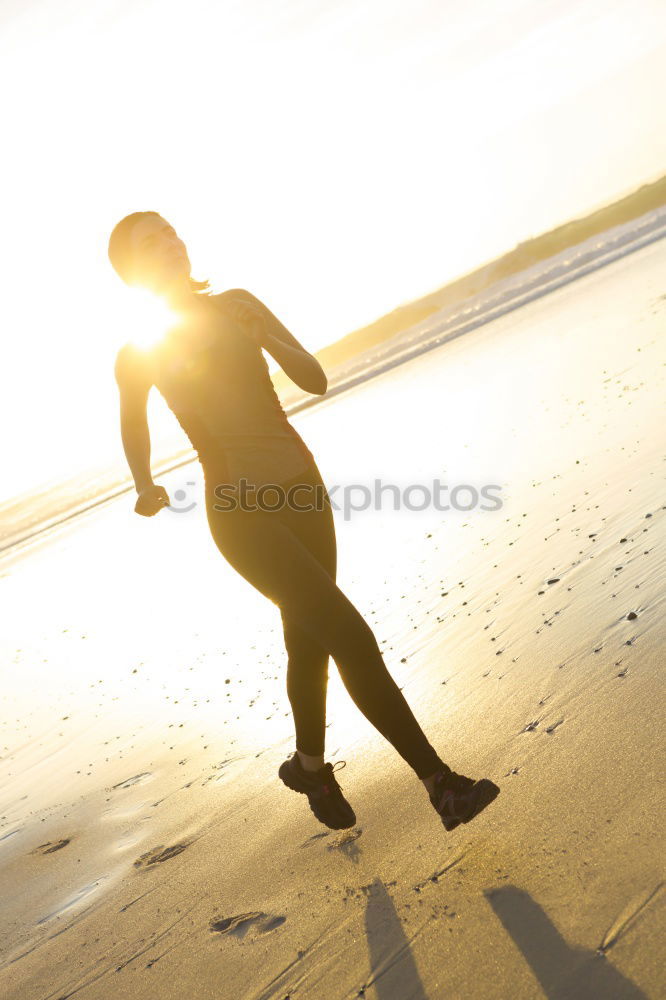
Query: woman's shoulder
[(133, 363), (234, 295)]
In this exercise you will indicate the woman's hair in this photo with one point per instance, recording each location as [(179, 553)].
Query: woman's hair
[(120, 250)]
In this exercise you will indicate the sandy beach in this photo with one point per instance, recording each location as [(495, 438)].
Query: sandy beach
[(147, 847)]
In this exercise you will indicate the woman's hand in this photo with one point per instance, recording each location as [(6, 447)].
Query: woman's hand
[(151, 500)]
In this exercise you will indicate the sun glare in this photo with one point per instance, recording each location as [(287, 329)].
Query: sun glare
[(147, 318)]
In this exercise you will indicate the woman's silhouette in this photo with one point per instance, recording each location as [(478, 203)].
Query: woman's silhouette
[(213, 375)]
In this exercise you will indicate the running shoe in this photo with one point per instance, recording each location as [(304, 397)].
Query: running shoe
[(458, 799), (323, 791)]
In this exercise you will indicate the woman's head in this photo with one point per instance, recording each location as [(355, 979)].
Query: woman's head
[(145, 250)]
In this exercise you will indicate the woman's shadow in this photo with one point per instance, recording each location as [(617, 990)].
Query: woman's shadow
[(565, 973), (393, 969)]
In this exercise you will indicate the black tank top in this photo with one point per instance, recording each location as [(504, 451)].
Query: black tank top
[(215, 379)]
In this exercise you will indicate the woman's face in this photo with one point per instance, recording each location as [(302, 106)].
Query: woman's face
[(160, 257)]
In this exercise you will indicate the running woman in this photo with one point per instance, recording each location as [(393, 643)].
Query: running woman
[(211, 371)]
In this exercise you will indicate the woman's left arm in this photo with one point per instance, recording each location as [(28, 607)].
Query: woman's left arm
[(301, 366)]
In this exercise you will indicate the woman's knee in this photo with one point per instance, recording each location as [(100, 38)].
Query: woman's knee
[(336, 624)]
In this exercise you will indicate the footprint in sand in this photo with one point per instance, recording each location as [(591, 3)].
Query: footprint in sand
[(257, 921), (159, 854), (49, 848)]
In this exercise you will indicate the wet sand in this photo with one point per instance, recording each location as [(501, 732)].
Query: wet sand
[(147, 847)]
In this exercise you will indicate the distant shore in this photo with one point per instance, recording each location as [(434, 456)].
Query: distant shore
[(526, 254)]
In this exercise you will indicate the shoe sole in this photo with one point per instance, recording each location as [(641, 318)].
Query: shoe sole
[(483, 793), (285, 775)]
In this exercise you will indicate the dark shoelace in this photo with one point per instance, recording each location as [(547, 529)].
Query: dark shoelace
[(331, 768)]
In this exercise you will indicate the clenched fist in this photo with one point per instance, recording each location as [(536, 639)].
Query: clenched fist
[(151, 500)]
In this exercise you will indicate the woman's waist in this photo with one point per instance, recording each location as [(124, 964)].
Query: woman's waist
[(244, 437), (257, 446), (303, 491), (256, 459)]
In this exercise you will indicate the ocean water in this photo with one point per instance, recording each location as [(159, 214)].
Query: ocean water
[(25, 520), (502, 297)]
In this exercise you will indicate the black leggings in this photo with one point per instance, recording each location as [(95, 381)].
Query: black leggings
[(290, 556)]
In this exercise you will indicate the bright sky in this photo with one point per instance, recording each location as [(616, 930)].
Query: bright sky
[(336, 157)]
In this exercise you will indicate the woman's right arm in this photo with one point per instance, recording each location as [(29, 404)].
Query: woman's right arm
[(134, 386)]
